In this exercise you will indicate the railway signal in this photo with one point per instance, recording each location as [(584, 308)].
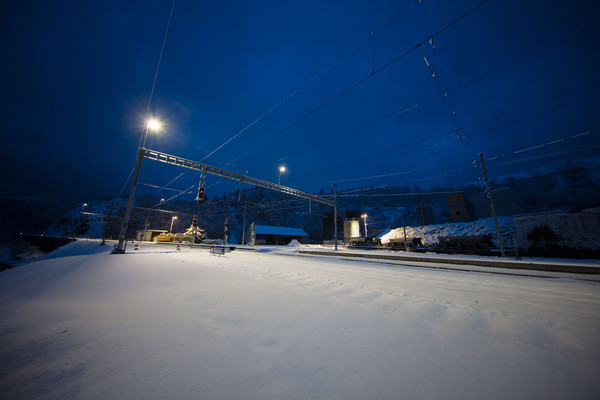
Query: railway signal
[(200, 194)]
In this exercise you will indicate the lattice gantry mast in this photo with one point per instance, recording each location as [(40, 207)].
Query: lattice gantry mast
[(207, 169)]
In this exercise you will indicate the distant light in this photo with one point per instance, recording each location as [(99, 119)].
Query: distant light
[(281, 170), (153, 124)]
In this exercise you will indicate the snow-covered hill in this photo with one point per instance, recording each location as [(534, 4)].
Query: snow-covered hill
[(566, 186)]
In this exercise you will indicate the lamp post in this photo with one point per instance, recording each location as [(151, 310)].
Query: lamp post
[(79, 220), (365, 219), (172, 220), (154, 125), (281, 169)]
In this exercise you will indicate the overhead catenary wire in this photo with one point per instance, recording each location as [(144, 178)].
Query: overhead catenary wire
[(367, 125), (364, 178), (167, 185), (485, 131), (430, 173), (458, 88), (144, 130), (534, 53), (591, 85), (449, 171), (481, 77), (493, 160), (126, 182), (441, 82), (463, 170), (162, 49), (161, 187), (187, 191), (405, 194), (587, 151), (389, 150), (538, 146), (312, 78), (359, 82)]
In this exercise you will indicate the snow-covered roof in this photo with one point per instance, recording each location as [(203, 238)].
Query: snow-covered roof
[(278, 230)]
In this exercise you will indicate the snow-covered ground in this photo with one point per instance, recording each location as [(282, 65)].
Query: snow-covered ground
[(80, 323)]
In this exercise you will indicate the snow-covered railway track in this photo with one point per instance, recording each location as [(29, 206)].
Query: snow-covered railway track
[(460, 267), (588, 269)]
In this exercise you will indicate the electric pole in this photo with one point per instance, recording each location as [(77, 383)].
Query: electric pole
[(105, 233), (244, 226), (335, 232), (491, 199), (120, 249), (404, 226)]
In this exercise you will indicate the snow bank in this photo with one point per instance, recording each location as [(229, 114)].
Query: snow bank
[(160, 323), (295, 243), (431, 233), (79, 247)]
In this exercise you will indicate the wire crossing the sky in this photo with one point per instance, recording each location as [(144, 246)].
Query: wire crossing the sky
[(441, 82), (299, 88), (418, 106), (452, 131), (145, 130), (359, 82), (162, 50)]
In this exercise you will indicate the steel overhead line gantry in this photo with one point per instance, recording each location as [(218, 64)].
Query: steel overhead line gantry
[(207, 169), (182, 162)]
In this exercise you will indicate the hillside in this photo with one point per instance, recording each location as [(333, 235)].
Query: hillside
[(566, 186), (571, 185)]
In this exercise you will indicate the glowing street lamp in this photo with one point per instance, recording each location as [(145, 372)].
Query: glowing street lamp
[(172, 220), (365, 219), (281, 169), (154, 124)]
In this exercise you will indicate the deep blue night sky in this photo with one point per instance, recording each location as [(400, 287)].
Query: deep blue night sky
[(76, 79)]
